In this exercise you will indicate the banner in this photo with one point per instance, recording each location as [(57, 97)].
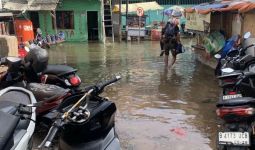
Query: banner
[(213, 42), (198, 22)]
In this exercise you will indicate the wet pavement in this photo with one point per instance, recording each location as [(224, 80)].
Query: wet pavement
[(157, 108)]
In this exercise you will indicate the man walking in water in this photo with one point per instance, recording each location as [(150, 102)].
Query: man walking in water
[(171, 40)]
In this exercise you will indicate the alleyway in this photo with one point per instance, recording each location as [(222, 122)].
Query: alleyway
[(157, 109)]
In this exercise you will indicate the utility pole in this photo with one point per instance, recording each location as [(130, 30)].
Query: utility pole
[(120, 22), (127, 1)]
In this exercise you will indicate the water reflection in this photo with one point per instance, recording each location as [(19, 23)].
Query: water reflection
[(155, 105)]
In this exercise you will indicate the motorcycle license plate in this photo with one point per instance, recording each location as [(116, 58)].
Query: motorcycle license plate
[(234, 138), (227, 97)]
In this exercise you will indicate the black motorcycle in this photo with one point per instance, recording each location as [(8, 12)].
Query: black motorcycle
[(86, 122), (237, 113)]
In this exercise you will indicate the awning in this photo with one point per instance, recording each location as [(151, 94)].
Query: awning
[(133, 7), (6, 14), (240, 6), (31, 5)]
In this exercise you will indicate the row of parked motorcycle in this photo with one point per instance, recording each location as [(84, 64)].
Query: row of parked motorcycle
[(236, 105), (34, 92)]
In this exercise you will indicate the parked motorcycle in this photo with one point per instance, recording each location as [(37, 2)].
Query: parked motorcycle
[(86, 122), (237, 129), (230, 55), (35, 68), (17, 118), (241, 62), (49, 95)]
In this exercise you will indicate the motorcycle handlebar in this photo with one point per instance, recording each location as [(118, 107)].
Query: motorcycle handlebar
[(104, 84), (100, 87), (243, 50), (51, 134), (243, 76)]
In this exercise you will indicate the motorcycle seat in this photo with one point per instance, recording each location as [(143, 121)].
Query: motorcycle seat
[(46, 92), (8, 124), (236, 102), (18, 97), (59, 70)]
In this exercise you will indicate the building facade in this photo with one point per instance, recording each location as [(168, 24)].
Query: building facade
[(80, 20)]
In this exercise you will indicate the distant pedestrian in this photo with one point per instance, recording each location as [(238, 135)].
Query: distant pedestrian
[(171, 40)]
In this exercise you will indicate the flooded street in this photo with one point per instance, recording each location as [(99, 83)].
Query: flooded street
[(157, 108)]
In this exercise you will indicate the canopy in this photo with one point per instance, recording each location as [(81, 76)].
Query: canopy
[(31, 5), (133, 7), (236, 5)]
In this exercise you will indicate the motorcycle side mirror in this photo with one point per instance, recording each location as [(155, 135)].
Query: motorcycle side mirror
[(227, 70), (26, 48), (247, 35), (217, 56)]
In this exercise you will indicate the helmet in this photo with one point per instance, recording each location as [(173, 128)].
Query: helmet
[(38, 59)]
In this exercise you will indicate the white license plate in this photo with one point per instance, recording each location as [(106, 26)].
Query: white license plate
[(234, 138), (227, 97)]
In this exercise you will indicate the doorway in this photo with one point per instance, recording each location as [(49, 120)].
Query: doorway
[(34, 17), (92, 24)]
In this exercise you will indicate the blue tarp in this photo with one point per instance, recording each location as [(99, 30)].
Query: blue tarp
[(210, 6)]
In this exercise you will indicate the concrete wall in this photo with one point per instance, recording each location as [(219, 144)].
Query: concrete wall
[(80, 8)]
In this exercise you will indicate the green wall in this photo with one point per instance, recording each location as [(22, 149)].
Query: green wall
[(155, 15), (80, 8)]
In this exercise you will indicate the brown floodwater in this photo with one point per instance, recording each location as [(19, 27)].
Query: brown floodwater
[(157, 108)]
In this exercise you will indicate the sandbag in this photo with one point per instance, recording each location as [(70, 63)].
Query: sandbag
[(8, 46)]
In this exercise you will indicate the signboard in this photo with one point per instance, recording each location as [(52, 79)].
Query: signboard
[(213, 42), (140, 11), (198, 22)]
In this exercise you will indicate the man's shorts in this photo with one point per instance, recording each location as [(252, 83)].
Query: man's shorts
[(170, 44)]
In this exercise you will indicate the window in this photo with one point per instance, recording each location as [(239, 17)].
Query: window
[(64, 19)]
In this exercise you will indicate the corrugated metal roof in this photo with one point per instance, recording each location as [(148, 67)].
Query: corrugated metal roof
[(31, 5)]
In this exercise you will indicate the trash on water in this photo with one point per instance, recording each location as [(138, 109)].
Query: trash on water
[(179, 132)]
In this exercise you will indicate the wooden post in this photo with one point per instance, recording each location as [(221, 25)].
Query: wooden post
[(139, 29), (55, 22), (127, 1), (120, 21)]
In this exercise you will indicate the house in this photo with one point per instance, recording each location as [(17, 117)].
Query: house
[(80, 20)]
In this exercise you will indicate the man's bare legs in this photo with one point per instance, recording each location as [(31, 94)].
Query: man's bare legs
[(166, 60), (173, 59)]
